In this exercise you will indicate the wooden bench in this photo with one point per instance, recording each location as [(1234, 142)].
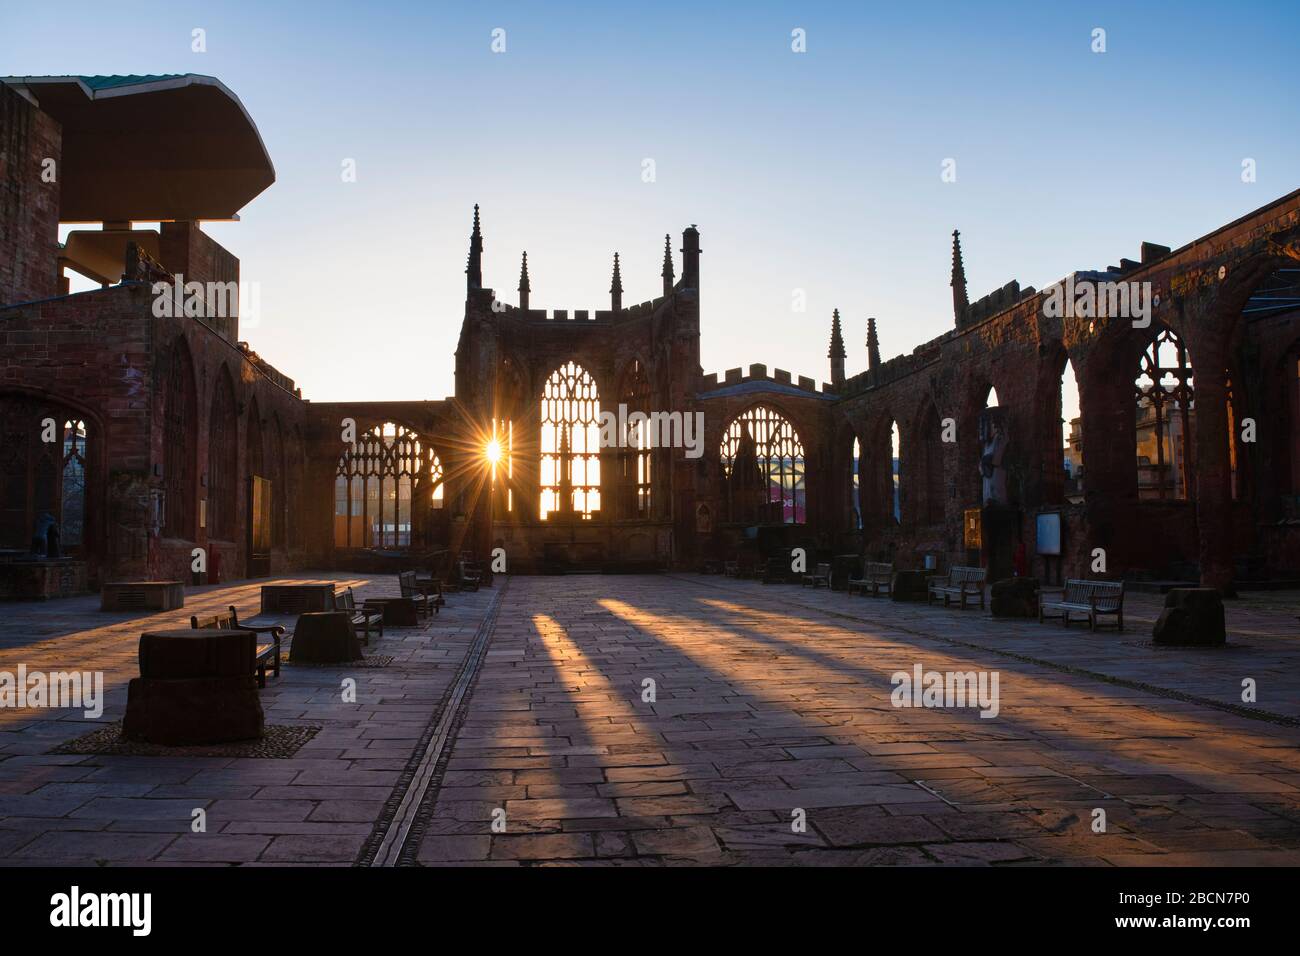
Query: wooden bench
[(362, 617), (1090, 598), (877, 577), (268, 655), (731, 569), (820, 577), (963, 583), (777, 569), (468, 574), (427, 597)]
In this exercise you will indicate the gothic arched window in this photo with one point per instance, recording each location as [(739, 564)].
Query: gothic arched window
[(501, 462), (223, 462), (1165, 419), (180, 427), (384, 486), (279, 490), (855, 503), (763, 461), (570, 443), (72, 494), (929, 447), (43, 455), (635, 452)]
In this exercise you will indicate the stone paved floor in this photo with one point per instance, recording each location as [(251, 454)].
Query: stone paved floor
[(316, 807), (766, 704), (771, 705)]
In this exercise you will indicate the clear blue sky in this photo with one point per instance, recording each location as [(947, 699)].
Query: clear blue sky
[(817, 171)]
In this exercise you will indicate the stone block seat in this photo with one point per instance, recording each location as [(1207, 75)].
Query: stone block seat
[(1014, 597), (394, 611), (325, 637), (1192, 617), (195, 686), (297, 598), (264, 656), (909, 585), (142, 596)]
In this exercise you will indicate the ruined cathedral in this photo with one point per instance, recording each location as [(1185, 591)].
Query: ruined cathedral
[(134, 438)]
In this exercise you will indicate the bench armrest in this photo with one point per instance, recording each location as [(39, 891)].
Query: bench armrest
[(275, 630)]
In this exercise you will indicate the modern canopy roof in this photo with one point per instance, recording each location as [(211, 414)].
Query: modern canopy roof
[(179, 146)]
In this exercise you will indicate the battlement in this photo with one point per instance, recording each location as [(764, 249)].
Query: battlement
[(605, 316), (757, 375), (999, 300), (900, 366)]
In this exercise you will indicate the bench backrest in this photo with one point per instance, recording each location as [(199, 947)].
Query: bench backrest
[(1109, 595), (822, 570), (222, 621), (406, 581), (1077, 591), (959, 574), (877, 568), (346, 602)]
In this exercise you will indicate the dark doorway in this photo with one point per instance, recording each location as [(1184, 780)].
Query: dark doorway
[(260, 492)]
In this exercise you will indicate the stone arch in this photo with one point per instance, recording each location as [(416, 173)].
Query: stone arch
[(278, 473), (51, 463), (849, 451), (764, 465), (385, 485), (180, 442), (1164, 430), (922, 477), (223, 459), (1058, 427), (254, 441), (637, 460), (569, 443)]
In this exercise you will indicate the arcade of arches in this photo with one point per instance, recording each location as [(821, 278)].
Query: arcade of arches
[(593, 440)]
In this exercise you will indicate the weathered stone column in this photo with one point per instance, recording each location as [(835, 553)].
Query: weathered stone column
[(1213, 463)]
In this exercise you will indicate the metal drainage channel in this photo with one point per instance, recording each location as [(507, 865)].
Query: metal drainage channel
[(393, 841)]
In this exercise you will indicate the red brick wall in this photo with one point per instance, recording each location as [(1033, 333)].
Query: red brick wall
[(29, 208), (185, 249), (105, 353)]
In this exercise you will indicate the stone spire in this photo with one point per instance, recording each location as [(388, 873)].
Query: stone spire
[(524, 286), (836, 353), (873, 344), (474, 271), (959, 301), (668, 265), (616, 289)]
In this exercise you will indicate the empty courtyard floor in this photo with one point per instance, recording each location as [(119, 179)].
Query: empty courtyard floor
[(684, 719)]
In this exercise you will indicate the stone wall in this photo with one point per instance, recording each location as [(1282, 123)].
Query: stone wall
[(29, 206)]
